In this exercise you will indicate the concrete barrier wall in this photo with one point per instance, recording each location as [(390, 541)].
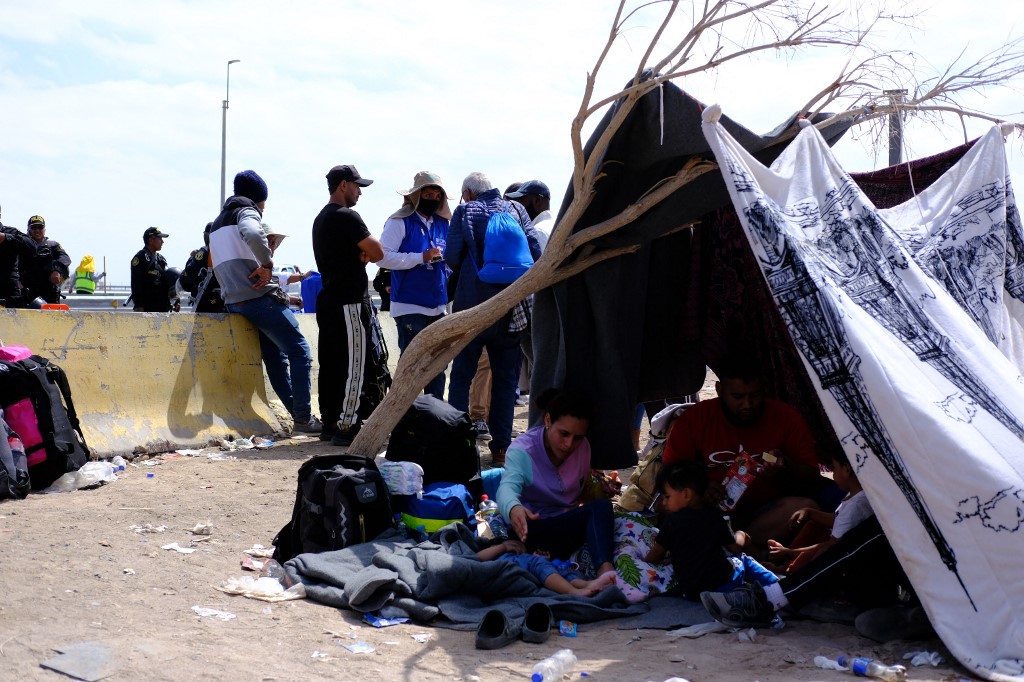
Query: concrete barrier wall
[(152, 382)]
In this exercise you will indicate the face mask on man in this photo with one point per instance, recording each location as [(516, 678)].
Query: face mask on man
[(428, 206)]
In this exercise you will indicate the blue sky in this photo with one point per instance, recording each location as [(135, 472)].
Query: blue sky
[(111, 112)]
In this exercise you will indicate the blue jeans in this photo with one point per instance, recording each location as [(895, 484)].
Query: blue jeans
[(409, 326), (285, 352), (592, 524), (503, 352)]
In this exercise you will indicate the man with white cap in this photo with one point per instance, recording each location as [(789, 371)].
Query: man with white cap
[(414, 238)]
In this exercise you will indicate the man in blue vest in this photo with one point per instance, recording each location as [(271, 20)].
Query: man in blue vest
[(414, 238)]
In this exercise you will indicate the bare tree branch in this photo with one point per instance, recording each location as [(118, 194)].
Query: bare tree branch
[(719, 33)]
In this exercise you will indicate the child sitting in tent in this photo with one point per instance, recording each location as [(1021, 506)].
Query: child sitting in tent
[(696, 538), (820, 530), (558, 577)]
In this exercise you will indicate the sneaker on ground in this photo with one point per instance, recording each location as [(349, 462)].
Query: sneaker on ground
[(344, 438), (521, 402), (482, 432), (313, 425), (742, 608)]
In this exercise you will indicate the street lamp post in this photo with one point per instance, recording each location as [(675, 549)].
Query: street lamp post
[(224, 133)]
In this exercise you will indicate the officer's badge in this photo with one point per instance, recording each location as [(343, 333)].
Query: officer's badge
[(135, 261), (200, 255)]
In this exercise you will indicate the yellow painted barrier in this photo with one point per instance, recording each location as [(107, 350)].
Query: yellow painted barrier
[(152, 382)]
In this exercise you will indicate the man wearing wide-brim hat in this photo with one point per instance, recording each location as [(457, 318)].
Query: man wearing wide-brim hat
[(414, 238)]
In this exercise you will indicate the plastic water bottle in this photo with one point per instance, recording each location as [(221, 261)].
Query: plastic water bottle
[(118, 463), (866, 667), (489, 512), (554, 667)]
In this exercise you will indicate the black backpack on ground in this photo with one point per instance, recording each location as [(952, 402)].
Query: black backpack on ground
[(439, 438), (14, 481), (341, 500), (36, 398)]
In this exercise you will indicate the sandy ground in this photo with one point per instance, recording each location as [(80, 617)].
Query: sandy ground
[(76, 572)]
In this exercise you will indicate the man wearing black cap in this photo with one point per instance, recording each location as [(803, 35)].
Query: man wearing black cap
[(149, 293), (43, 274), (244, 267), (14, 244), (353, 361), (535, 197)]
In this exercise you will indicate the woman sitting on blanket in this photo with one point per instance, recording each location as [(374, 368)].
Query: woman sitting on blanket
[(546, 471)]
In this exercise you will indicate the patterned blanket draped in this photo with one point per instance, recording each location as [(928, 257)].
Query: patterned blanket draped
[(908, 322)]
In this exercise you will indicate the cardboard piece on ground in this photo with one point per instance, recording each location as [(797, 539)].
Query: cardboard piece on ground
[(89, 661)]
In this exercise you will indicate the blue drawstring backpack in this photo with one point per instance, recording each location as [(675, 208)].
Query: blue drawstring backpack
[(506, 252)]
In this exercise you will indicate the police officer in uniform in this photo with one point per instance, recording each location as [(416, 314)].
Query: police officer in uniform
[(43, 274), (198, 279), (14, 245), (149, 292)]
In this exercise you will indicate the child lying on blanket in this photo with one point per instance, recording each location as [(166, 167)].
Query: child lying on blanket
[(815, 525), (555, 577), (696, 538)]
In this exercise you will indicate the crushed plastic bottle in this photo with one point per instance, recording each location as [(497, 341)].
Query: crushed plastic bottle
[(866, 667), (118, 463), (554, 667), (490, 514), (91, 473)]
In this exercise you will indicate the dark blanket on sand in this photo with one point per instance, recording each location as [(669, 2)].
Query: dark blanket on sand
[(440, 576)]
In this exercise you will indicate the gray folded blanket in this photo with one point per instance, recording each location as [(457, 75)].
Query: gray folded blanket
[(440, 576)]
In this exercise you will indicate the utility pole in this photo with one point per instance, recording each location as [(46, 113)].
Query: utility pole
[(896, 99), (224, 134)]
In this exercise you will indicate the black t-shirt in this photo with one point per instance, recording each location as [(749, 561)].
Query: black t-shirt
[(337, 232), (695, 539)]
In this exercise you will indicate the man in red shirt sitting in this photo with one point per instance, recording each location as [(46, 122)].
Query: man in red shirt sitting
[(741, 417)]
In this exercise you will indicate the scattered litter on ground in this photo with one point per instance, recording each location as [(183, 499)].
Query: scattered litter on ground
[(259, 551), (828, 663), (89, 661), (128, 571), (747, 635), (147, 528), (378, 622), (320, 655), (204, 612), (221, 457), (420, 637), (264, 589), (203, 528), (932, 658), (251, 564), (359, 648), (390, 643), (175, 547), (634, 638), (89, 475), (566, 628), (698, 630)]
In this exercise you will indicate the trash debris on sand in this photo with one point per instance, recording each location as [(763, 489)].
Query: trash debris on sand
[(204, 612)]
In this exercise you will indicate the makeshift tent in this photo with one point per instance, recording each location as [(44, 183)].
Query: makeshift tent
[(644, 326), (909, 321)]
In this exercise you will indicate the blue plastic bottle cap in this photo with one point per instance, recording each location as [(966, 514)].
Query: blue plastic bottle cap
[(150, 475)]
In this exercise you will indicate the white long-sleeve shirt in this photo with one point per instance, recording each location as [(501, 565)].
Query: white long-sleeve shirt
[(391, 239)]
